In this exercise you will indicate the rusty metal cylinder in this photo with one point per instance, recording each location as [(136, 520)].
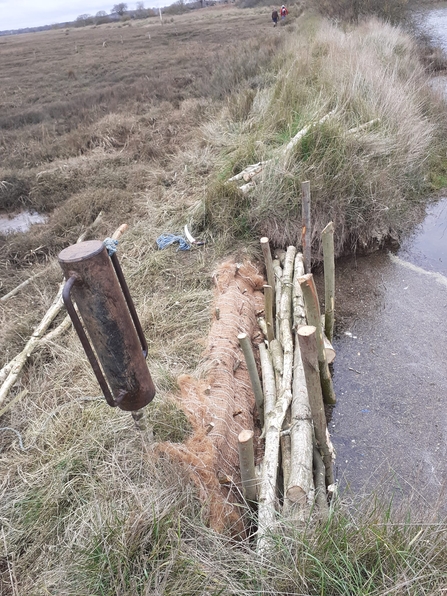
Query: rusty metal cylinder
[(96, 284)]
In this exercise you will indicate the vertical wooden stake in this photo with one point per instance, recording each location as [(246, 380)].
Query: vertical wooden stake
[(327, 239), (278, 293), (245, 344), (247, 465), (268, 309), (309, 356), (306, 234), (313, 318), (268, 263)]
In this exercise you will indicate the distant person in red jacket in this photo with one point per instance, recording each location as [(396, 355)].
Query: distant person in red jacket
[(284, 12), (274, 17)]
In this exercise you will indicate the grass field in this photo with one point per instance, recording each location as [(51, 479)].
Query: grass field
[(145, 123)]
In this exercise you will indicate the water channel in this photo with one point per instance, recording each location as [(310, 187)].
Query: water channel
[(389, 427)]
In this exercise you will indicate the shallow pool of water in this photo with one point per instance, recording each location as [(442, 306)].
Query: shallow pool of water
[(389, 427), (21, 222)]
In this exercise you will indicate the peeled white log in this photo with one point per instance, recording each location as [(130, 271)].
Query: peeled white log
[(251, 170), (309, 355), (277, 356), (11, 371)]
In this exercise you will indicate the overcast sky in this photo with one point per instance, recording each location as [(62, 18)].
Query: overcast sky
[(15, 14)]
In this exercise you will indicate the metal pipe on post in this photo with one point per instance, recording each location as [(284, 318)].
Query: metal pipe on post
[(108, 326)]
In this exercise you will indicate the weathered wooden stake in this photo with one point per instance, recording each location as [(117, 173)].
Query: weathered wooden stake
[(313, 318), (327, 239), (247, 465), (245, 344), (309, 356), (268, 262), (268, 310), (306, 234)]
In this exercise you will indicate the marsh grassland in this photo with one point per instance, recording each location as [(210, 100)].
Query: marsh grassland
[(145, 123)]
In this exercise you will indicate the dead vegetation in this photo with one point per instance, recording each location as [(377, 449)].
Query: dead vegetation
[(89, 506)]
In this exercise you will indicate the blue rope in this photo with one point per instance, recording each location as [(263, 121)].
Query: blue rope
[(167, 239), (111, 246)]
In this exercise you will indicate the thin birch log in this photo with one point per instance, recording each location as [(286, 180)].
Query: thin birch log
[(286, 448), (262, 326), (300, 487), (329, 350), (267, 489), (275, 348), (57, 332), (268, 311), (309, 355), (14, 400), (17, 289), (299, 312), (278, 291), (320, 484), (247, 465), (247, 187), (40, 273), (245, 344), (327, 239), (313, 318), (268, 262), (299, 135), (274, 420), (249, 172), (268, 379), (285, 319), (363, 126), (285, 323), (306, 233), (14, 368)]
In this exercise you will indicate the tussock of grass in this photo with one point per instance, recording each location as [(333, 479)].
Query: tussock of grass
[(366, 181)]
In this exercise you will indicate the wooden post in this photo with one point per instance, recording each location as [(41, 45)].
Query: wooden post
[(320, 484), (309, 356), (306, 234), (247, 465), (268, 310), (313, 318), (268, 262), (327, 239), (245, 344), (299, 313)]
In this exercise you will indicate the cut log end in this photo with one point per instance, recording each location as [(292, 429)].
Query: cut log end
[(296, 495), (245, 436)]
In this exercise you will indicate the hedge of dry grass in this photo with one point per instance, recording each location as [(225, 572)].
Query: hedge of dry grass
[(367, 180)]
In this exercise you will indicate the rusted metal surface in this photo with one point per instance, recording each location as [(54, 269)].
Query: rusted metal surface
[(96, 284)]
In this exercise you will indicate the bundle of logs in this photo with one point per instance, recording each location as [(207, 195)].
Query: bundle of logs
[(296, 475)]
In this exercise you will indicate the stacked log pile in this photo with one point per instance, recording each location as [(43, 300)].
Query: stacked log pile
[(296, 474)]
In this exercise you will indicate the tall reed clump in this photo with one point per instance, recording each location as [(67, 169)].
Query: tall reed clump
[(368, 163)]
